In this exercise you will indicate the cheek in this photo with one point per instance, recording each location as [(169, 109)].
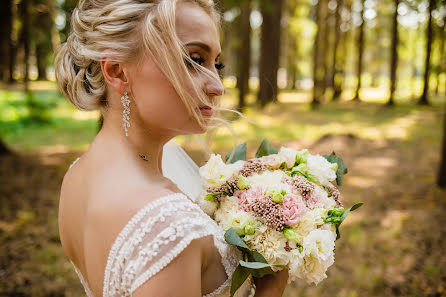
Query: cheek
[(158, 102)]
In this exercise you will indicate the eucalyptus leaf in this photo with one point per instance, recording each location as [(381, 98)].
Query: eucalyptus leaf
[(238, 278), (254, 265), (258, 257), (265, 149), (239, 154), (232, 237), (342, 169)]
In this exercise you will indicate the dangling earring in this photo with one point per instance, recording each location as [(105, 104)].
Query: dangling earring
[(126, 113)]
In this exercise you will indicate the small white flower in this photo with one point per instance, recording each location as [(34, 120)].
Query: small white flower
[(321, 169), (289, 154), (215, 172)]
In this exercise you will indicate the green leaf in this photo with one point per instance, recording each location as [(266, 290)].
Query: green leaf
[(258, 257), (238, 278), (232, 237), (254, 265), (239, 154), (344, 216), (342, 169), (265, 149), (356, 206), (262, 272)]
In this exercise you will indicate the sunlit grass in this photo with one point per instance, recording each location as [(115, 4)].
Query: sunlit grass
[(291, 118)]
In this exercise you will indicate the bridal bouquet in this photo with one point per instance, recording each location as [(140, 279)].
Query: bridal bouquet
[(280, 208)]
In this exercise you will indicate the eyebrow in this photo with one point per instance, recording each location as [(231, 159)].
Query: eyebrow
[(204, 46)]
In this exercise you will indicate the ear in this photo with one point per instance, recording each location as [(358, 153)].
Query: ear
[(115, 74)]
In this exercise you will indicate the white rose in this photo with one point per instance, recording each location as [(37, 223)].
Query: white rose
[(321, 169), (215, 172)]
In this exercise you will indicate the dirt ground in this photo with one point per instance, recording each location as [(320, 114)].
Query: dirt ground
[(395, 245)]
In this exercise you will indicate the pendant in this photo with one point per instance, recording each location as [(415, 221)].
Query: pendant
[(143, 157)]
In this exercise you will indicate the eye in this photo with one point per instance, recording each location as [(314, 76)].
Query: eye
[(219, 66), (197, 59)]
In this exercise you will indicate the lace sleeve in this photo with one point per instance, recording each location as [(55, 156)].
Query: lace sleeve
[(151, 240)]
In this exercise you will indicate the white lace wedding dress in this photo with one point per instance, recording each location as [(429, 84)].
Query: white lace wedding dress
[(161, 230)]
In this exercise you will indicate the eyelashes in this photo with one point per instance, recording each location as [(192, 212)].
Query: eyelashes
[(200, 61)]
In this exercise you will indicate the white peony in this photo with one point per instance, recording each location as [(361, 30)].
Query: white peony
[(321, 169), (215, 172), (271, 244)]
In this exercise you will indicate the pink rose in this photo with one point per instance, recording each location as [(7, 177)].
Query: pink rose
[(293, 208)]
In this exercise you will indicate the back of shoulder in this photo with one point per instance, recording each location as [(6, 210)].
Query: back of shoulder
[(156, 232)]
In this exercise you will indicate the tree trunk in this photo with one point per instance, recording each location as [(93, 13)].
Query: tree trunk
[(328, 70), (336, 78), (360, 53), (4, 150), (25, 37), (40, 59), (424, 99), (269, 50), (244, 53), (5, 36), (442, 61), (394, 54), (318, 69), (442, 172)]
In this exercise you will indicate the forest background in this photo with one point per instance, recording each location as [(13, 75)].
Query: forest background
[(363, 78)]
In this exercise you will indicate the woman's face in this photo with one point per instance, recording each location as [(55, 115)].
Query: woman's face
[(159, 107)]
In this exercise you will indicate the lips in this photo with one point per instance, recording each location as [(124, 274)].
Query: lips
[(206, 110)]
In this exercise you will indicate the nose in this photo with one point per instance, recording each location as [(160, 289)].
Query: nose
[(215, 88)]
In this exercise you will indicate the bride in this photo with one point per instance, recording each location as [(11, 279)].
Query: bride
[(127, 216)]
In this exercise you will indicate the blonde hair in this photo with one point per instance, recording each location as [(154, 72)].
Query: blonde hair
[(116, 26)]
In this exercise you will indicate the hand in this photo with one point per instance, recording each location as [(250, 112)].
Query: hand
[(271, 285)]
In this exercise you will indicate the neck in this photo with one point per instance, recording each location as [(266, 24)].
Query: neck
[(150, 143)]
